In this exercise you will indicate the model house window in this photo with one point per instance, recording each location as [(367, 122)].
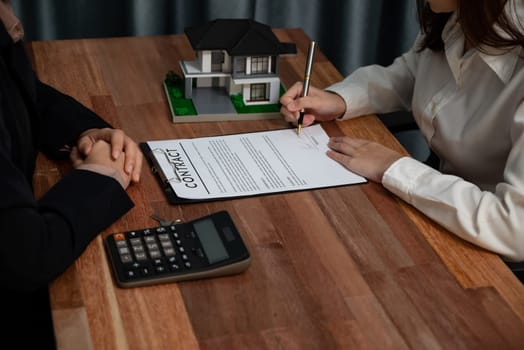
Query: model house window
[(240, 64), (259, 65), (217, 57), (258, 92)]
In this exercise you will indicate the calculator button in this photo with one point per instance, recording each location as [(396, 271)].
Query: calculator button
[(132, 234), (152, 246), (171, 259), (169, 252), (145, 271), (123, 250), (141, 256), (175, 235), (160, 269), (147, 232), (157, 261), (163, 237), (155, 254), (166, 244), (135, 241), (126, 258), (174, 267), (138, 248), (161, 229), (187, 264), (185, 257), (131, 273), (119, 237), (120, 244), (149, 239), (181, 249)]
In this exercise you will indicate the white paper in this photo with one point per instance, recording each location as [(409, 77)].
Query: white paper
[(250, 164)]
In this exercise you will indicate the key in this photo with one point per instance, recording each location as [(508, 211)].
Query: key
[(164, 222)]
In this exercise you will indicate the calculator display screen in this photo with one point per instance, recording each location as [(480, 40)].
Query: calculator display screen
[(210, 239)]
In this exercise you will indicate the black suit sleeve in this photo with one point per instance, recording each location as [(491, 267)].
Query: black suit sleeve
[(41, 238), (62, 119)]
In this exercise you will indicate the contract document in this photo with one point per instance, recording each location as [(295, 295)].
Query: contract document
[(248, 164)]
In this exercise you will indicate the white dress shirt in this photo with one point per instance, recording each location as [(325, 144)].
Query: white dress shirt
[(470, 109)]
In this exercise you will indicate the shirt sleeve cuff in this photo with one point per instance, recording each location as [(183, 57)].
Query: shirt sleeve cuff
[(403, 175), (103, 170)]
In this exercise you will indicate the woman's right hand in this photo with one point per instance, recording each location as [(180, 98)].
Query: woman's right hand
[(318, 105)]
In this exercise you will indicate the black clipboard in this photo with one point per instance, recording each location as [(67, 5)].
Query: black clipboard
[(163, 180), (173, 198)]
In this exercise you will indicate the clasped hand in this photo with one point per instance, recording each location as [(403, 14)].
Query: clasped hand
[(110, 148), (366, 158)]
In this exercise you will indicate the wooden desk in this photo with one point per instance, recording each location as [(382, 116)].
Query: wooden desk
[(348, 267)]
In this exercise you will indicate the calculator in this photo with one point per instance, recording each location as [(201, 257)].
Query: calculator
[(209, 246)]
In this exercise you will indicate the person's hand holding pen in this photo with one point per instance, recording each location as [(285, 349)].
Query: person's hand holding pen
[(302, 107), (318, 105)]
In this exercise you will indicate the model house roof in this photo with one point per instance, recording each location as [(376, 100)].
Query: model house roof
[(239, 37)]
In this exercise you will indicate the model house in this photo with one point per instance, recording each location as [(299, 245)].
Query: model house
[(235, 57)]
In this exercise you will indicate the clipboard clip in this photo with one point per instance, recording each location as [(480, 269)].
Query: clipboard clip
[(161, 171)]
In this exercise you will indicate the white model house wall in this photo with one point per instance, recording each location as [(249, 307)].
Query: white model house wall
[(204, 60)]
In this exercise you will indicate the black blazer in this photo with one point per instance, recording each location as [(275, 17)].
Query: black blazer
[(40, 238)]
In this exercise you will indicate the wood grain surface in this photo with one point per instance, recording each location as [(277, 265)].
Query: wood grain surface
[(341, 268)]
